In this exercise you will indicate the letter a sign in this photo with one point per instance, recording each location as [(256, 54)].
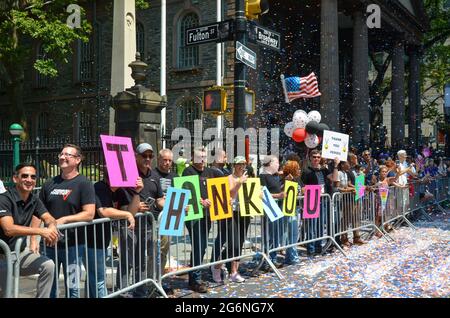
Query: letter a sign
[(120, 161)]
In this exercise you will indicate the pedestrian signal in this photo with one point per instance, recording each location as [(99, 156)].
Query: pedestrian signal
[(255, 8), (214, 100)]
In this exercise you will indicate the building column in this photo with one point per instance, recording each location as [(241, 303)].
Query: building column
[(329, 64), (361, 118), (398, 95), (413, 97)]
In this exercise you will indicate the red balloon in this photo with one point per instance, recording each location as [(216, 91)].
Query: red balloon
[(320, 139), (299, 134)]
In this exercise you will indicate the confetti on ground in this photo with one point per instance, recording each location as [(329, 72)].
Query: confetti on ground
[(417, 264)]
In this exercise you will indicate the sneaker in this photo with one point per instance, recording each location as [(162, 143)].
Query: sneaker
[(216, 274), (236, 278), (199, 287)]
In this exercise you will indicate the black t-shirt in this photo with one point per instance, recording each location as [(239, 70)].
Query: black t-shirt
[(309, 177), (104, 198), (152, 190), (271, 181), (203, 176), (11, 204), (66, 197), (165, 179)]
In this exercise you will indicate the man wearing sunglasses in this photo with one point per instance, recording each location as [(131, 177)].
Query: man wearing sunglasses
[(17, 207), (69, 197)]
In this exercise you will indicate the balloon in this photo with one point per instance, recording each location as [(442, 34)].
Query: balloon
[(322, 127), (311, 141), (314, 115), (312, 127), (299, 134), (320, 139), (300, 119), (288, 129)]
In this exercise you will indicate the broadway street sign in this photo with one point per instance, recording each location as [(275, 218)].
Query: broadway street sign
[(264, 36), (203, 34), (245, 55)]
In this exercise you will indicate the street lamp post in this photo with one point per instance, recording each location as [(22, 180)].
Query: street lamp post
[(361, 133), (16, 130)]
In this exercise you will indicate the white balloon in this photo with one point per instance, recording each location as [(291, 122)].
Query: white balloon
[(300, 119), (289, 129), (314, 115), (311, 141)]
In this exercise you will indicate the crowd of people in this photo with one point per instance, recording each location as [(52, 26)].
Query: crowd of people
[(70, 197)]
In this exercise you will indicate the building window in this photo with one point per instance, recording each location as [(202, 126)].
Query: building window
[(41, 80), (4, 130), (187, 112), (187, 55), (85, 65), (86, 124), (140, 40), (42, 126)]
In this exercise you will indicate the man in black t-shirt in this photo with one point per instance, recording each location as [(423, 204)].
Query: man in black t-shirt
[(99, 234), (317, 175), (151, 198), (69, 197), (18, 205), (199, 229)]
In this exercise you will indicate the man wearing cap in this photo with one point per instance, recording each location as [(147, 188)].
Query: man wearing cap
[(199, 229), (151, 197)]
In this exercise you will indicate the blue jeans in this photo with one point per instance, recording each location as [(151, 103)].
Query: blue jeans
[(96, 272), (291, 236), (314, 229), (198, 233), (71, 268), (275, 236)]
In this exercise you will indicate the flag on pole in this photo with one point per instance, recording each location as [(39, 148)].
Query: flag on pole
[(296, 87)]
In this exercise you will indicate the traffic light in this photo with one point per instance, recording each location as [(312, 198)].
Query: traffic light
[(214, 100), (255, 8)]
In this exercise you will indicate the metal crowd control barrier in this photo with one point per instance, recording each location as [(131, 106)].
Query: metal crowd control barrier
[(7, 257), (225, 240), (85, 245), (396, 207), (441, 192), (352, 216)]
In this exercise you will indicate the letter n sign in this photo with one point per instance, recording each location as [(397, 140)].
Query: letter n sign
[(120, 161), (311, 205)]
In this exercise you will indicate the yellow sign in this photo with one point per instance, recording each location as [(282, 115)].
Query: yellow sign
[(219, 195), (290, 198), (250, 201)]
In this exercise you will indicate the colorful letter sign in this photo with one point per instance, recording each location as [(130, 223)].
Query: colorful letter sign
[(173, 213), (271, 208), (290, 198), (250, 201), (219, 195), (359, 185), (311, 203), (191, 183), (334, 145), (120, 161)]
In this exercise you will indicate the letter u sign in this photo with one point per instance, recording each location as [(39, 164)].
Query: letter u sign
[(311, 205)]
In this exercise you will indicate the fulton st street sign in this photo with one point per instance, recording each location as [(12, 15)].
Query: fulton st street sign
[(202, 34)]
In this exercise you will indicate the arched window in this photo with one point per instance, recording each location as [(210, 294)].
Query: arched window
[(187, 55), (140, 40), (42, 126), (187, 112), (41, 80)]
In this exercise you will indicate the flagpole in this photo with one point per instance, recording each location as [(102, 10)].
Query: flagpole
[(286, 99)]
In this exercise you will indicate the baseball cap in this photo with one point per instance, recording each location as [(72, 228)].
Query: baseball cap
[(141, 148), (239, 159)]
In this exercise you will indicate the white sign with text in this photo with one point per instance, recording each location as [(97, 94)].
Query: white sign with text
[(334, 145)]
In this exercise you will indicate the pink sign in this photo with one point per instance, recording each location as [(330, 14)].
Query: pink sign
[(120, 161), (311, 203)]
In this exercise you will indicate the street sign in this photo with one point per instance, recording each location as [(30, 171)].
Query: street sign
[(202, 34), (245, 55), (263, 36)]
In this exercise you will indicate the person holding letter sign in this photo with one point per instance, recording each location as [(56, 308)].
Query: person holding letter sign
[(199, 229), (315, 174)]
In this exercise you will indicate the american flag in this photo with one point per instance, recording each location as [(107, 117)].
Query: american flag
[(296, 87)]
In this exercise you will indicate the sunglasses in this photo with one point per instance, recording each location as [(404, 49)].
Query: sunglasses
[(147, 156), (316, 157), (25, 176)]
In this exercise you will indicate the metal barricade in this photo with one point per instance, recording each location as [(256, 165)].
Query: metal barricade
[(353, 215), (397, 204), (7, 259), (86, 252), (226, 240)]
